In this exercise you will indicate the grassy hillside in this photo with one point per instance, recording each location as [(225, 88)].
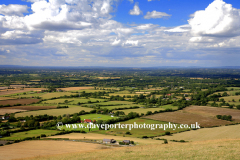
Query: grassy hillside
[(216, 149), (223, 132)]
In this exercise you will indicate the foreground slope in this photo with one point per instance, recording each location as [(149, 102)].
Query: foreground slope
[(215, 149)]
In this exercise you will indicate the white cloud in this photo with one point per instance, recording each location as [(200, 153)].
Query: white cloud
[(13, 9), (218, 19), (131, 43), (146, 26), (72, 32), (116, 42), (183, 28), (136, 10), (131, 1), (155, 14)]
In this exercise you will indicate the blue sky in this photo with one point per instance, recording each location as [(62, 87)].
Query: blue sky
[(120, 33)]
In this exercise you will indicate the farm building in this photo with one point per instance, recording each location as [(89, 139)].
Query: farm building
[(18, 86), (5, 117), (126, 141), (109, 141), (87, 120), (1, 88)]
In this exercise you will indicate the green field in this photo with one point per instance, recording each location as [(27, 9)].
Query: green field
[(31, 133), (230, 98), (73, 100), (121, 106), (113, 103), (85, 125), (44, 95), (96, 117), (89, 91), (55, 112), (234, 88), (137, 132), (56, 94), (145, 110), (117, 94)]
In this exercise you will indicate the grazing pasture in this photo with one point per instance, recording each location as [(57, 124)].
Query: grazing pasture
[(109, 103), (73, 100), (31, 133), (96, 117), (55, 94), (35, 148), (18, 101), (145, 110), (121, 106), (121, 95)]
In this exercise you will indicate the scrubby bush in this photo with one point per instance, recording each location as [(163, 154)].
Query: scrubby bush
[(128, 133), (167, 133), (43, 135), (165, 141)]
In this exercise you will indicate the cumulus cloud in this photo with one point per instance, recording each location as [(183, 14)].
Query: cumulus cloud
[(154, 14), (146, 27), (59, 14), (131, 43), (182, 28), (218, 19), (116, 42), (63, 32), (136, 10), (13, 9)]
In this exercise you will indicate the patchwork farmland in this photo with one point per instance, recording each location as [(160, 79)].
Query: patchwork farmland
[(37, 120)]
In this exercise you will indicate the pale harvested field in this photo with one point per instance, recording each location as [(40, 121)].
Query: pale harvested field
[(36, 148), (96, 136), (142, 92), (5, 98), (20, 101), (214, 150), (55, 94), (54, 112), (223, 132), (108, 77), (213, 111), (9, 111), (75, 88), (20, 91), (29, 108), (187, 118)]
